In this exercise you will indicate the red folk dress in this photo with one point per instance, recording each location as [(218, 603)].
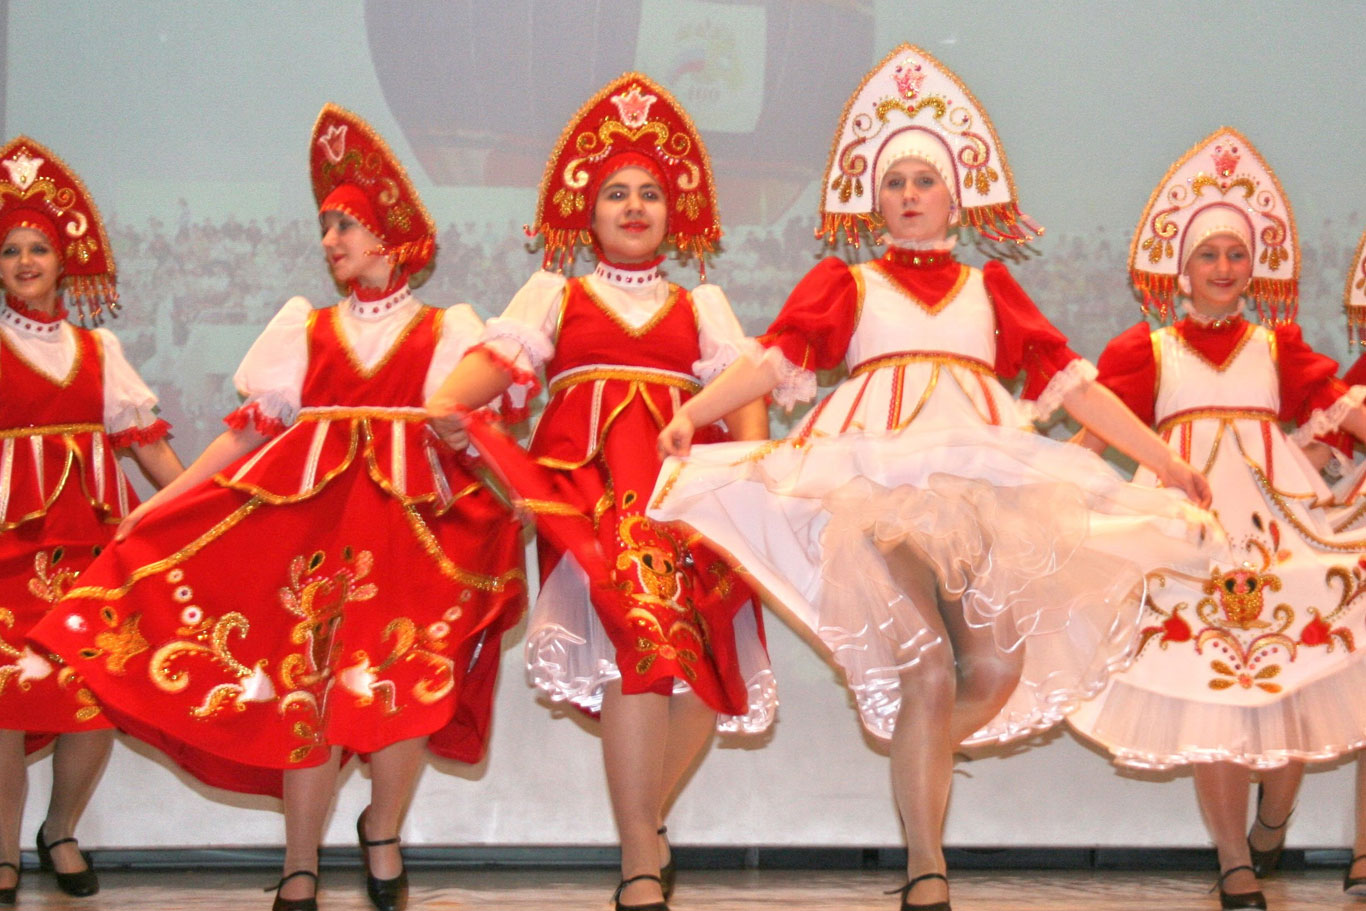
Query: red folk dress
[(1258, 658), (70, 401), (1041, 541), (347, 583), (623, 596)]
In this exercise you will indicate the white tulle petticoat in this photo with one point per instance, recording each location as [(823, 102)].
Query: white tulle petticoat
[(1042, 541)]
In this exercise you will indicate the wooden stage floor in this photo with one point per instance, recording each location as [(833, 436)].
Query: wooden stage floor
[(1319, 889)]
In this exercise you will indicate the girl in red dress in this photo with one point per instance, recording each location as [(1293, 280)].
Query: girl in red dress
[(635, 618), (974, 580), (1243, 667), (71, 404), (326, 578)]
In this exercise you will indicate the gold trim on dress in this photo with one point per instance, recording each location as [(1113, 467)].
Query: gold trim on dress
[(904, 358), (1223, 414), (949, 297), (75, 361), (50, 430), (562, 381), (1249, 329), (369, 372), (410, 415), (675, 292), (448, 568)]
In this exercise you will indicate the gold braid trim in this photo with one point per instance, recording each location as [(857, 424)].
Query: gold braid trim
[(1220, 414), (449, 569), (52, 430), (151, 569), (904, 358), (625, 374)]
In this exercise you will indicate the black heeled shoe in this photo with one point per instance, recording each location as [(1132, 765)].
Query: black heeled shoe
[(385, 894), (294, 904), (80, 884), (669, 872), (9, 895), (1264, 863), (905, 892), (1238, 901), (1354, 884), (652, 906)]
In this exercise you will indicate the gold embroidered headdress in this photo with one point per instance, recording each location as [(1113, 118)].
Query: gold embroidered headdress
[(39, 191), (1354, 297), (1222, 185), (910, 93)]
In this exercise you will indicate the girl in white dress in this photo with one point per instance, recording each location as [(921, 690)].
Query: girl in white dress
[(912, 520)]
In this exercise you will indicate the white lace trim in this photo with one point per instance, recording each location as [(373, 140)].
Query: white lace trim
[(1327, 420), (20, 323), (629, 279), (795, 384), (277, 405), (1064, 381), (726, 354), (1234, 315), (938, 246), (378, 309), (538, 347)]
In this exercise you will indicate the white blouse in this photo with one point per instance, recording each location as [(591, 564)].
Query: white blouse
[(272, 373), (51, 348), (526, 332)]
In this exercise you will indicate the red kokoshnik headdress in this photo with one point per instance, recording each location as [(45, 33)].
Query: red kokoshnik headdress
[(1222, 185), (911, 96), (39, 191), (631, 116), (354, 171), (1354, 297)]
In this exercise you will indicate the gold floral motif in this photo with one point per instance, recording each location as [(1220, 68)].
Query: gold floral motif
[(1241, 597), (318, 599), (652, 564), (171, 680), (120, 642), (49, 583)]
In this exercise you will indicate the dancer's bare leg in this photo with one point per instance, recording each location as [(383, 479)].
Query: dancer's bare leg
[(1280, 789), (13, 787), (1359, 844), (922, 745), (78, 760), (692, 724), (635, 732), (1222, 791), (987, 676), (308, 800), (393, 775)]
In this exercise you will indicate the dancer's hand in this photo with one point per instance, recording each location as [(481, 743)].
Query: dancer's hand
[(676, 438), (131, 520), (451, 428), (1178, 473)]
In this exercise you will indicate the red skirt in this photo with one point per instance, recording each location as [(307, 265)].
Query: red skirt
[(245, 637), (667, 602), (39, 562)]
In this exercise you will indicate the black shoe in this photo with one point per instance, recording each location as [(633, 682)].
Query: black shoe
[(78, 884), (652, 906), (669, 872), (905, 892), (1264, 863), (385, 894), (1236, 901), (294, 904), (1354, 884), (9, 895)]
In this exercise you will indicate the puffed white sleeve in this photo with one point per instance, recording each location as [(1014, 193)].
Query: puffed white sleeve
[(461, 329), (523, 338), (271, 376), (719, 335), (129, 405)]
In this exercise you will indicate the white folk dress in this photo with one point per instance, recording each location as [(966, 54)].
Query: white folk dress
[(1257, 660), (1042, 541)]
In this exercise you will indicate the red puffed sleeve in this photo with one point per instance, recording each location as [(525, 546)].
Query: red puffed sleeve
[(1308, 379), (817, 321), (1025, 339), (1128, 368)]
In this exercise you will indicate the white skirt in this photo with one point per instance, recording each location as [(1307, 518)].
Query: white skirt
[(1043, 542)]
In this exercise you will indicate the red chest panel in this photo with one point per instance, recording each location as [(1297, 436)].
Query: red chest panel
[(591, 334), (336, 376), (32, 399)]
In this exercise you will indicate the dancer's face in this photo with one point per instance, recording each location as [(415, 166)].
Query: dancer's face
[(350, 250), (630, 216), (914, 201), (30, 268), (1219, 270)]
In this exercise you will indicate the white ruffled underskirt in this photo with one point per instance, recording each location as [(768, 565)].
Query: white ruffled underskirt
[(1043, 542), (570, 657)]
